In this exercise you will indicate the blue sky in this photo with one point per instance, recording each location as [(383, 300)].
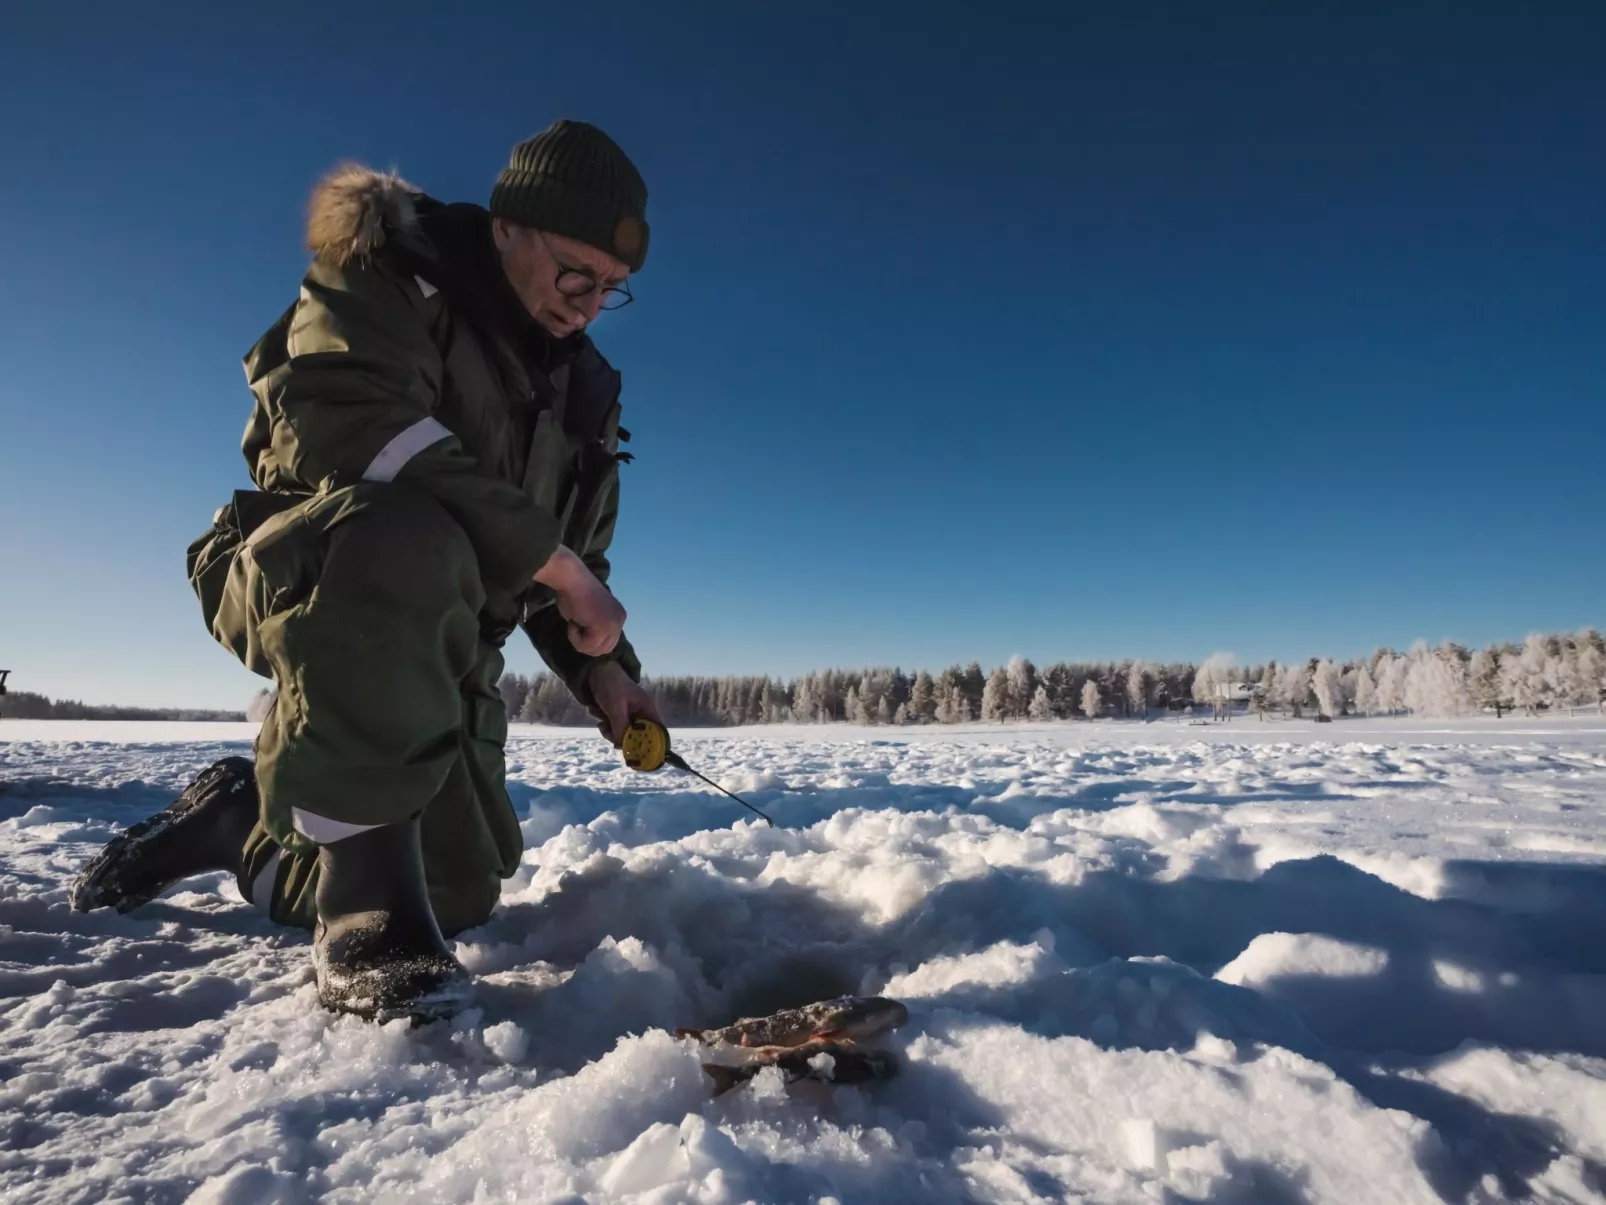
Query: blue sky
[(1068, 330)]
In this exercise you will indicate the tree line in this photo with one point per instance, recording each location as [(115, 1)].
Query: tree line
[(883, 695), (25, 705), (1545, 672)]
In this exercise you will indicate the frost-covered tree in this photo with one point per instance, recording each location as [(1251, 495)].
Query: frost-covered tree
[(1329, 688), (1061, 689), (953, 707), (1022, 685), (1390, 673), (971, 684), (923, 699), (805, 704), (260, 705), (1137, 689), (773, 702), (901, 716), (1526, 680), (1266, 695), (1293, 686), (1365, 690), (1418, 688), (1435, 682), (1214, 680), (1591, 668), (1561, 675), (995, 696), (1454, 696), (1090, 699), (853, 707), (1041, 709), (1483, 680), (1571, 672)]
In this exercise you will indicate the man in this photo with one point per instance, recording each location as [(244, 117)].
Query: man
[(435, 445)]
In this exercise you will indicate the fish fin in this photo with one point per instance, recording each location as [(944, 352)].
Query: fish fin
[(725, 1078)]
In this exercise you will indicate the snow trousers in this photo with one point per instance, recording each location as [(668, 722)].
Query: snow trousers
[(364, 605)]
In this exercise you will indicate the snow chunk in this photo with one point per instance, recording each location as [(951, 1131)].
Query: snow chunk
[(1278, 955), (507, 1041), (1143, 1145), (693, 1152), (823, 1064), (252, 1185)]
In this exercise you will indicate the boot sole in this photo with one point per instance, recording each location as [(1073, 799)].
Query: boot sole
[(439, 1005), (98, 885)]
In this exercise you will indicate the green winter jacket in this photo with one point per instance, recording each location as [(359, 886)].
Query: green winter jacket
[(408, 357)]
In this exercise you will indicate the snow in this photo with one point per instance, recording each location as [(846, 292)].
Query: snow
[(1249, 962)]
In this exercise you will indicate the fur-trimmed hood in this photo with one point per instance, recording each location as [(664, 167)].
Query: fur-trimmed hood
[(354, 208)]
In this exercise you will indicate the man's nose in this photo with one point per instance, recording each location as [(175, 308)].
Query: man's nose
[(590, 304)]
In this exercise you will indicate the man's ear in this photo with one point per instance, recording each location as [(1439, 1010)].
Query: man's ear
[(502, 233)]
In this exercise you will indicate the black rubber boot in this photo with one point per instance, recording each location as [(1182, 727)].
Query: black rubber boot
[(204, 829), (377, 950)]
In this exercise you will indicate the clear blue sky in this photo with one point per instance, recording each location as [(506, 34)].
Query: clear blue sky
[(1069, 330)]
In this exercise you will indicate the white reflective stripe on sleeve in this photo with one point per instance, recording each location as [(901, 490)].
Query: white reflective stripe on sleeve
[(262, 885), (424, 287), (394, 456), (322, 830)]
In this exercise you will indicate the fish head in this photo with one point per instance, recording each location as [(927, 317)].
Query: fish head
[(855, 1018)]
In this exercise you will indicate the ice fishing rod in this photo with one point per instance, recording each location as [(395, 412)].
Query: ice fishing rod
[(646, 748)]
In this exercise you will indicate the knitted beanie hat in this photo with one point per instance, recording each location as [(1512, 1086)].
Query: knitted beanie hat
[(572, 179)]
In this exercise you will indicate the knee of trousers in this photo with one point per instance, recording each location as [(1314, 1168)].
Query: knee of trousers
[(397, 544)]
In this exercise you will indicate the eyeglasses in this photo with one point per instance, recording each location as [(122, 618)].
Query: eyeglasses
[(575, 283)]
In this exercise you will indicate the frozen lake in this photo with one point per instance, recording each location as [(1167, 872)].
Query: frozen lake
[(1280, 962)]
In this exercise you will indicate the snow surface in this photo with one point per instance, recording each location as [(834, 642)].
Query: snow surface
[(1360, 962)]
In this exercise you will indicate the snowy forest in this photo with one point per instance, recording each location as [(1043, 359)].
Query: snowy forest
[(25, 705), (1544, 673)]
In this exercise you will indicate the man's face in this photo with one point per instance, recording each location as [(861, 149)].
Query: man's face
[(533, 261)]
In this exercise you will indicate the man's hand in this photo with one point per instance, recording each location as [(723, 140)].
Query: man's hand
[(618, 698), (595, 617)]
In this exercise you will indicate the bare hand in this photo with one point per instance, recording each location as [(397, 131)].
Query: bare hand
[(619, 699), (595, 616)]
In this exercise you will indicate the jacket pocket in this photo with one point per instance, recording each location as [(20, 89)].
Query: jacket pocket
[(210, 554), (266, 572), (487, 718)]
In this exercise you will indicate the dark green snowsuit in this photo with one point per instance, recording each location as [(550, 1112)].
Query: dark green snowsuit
[(420, 448)]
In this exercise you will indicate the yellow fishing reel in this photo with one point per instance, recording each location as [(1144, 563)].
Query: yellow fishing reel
[(646, 748), (645, 745)]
